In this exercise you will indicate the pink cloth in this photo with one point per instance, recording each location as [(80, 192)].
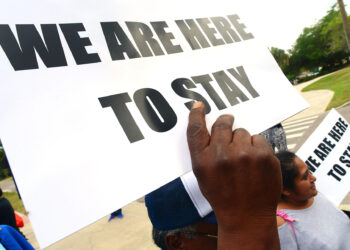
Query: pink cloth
[(287, 218)]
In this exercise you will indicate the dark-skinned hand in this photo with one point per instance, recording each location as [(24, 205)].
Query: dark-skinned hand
[(240, 177)]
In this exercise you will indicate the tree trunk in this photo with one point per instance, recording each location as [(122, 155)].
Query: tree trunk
[(345, 23)]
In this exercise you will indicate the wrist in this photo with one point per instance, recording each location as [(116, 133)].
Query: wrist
[(255, 232)]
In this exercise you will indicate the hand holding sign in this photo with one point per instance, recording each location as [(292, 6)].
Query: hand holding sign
[(118, 78), (231, 168)]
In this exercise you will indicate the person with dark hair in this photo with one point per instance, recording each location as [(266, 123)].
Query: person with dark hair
[(7, 214), (306, 219), (176, 222), (199, 235)]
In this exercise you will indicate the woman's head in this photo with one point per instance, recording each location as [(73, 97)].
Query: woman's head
[(298, 182)]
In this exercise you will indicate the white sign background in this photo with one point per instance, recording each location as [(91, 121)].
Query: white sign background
[(333, 189), (71, 159)]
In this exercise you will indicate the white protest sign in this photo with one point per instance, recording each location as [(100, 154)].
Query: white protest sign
[(94, 97), (327, 154)]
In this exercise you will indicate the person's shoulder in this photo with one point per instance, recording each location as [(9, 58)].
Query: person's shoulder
[(3, 199), (4, 202), (321, 200)]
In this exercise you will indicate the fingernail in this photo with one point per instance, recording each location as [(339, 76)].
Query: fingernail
[(197, 105)]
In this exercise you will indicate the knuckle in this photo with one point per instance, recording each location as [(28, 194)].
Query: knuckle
[(224, 161), (227, 118), (221, 154), (244, 157), (241, 130), (222, 124), (258, 137), (265, 157)]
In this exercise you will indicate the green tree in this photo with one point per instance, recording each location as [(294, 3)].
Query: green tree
[(308, 51), (332, 29), (322, 45), (4, 172), (2, 153), (281, 57)]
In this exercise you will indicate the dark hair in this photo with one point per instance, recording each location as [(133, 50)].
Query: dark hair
[(159, 236), (0, 192), (288, 168)]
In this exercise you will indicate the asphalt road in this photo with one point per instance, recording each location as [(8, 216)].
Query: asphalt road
[(298, 131), (8, 185)]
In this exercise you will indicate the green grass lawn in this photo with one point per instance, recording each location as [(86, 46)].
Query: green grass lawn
[(15, 201), (339, 83)]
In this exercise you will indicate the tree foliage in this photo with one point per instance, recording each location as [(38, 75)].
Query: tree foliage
[(2, 153), (280, 56), (4, 171), (321, 45)]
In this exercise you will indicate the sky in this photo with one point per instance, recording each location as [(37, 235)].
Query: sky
[(279, 22)]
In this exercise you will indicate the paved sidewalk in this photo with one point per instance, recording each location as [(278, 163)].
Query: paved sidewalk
[(8, 185), (318, 100), (133, 231)]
